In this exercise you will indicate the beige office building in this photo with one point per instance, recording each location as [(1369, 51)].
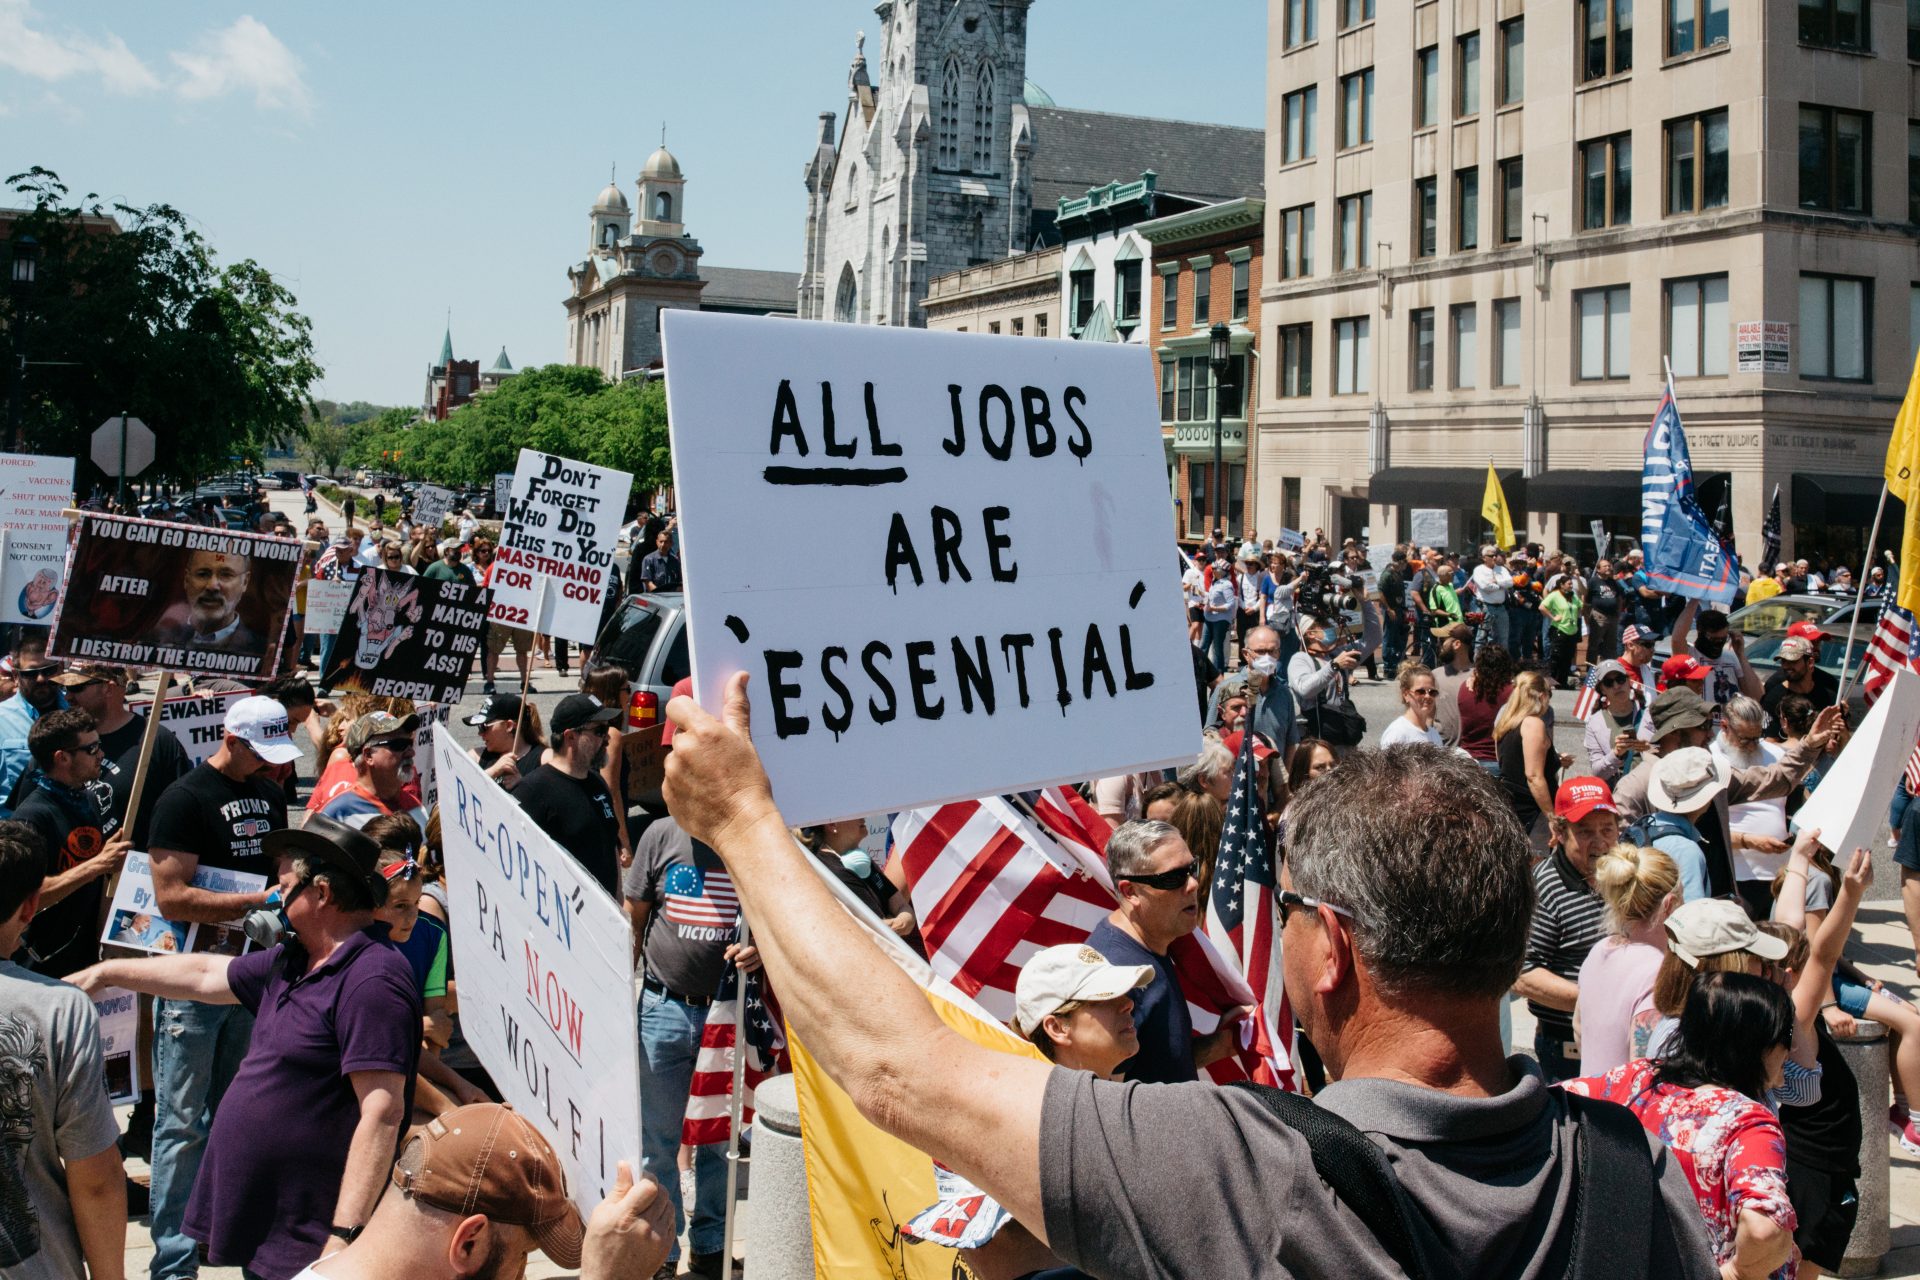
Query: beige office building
[(1017, 296), (1490, 224)]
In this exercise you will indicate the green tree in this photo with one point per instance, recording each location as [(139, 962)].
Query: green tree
[(216, 359)]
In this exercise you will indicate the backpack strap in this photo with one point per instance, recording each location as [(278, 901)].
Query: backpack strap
[(1615, 1203), (1360, 1177)]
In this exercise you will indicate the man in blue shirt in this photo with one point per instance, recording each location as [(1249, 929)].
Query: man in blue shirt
[(1156, 876), (37, 695)]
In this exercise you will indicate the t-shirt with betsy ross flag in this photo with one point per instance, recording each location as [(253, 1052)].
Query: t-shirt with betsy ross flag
[(694, 909)]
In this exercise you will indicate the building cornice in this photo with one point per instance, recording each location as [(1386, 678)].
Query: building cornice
[(1246, 213)]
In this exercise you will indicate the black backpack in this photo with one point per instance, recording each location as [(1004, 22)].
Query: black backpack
[(1617, 1224)]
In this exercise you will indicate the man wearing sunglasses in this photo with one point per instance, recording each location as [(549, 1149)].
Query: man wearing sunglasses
[(71, 808), (382, 747), (1157, 879), (568, 799), (36, 695)]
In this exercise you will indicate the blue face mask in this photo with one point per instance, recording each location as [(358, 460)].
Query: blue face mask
[(858, 862)]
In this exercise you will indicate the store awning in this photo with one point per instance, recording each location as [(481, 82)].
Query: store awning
[(1843, 500), (1444, 487), (1601, 493)]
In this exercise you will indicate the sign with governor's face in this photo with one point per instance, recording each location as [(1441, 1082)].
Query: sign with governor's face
[(969, 591)]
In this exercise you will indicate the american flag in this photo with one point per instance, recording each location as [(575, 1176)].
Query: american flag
[(696, 897), (709, 1099), (1588, 700), (1891, 650), (994, 880), (1770, 537), (1241, 913)]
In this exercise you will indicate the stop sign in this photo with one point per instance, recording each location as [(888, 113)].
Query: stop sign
[(106, 446)]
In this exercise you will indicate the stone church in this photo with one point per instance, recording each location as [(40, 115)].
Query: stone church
[(633, 271), (949, 157)]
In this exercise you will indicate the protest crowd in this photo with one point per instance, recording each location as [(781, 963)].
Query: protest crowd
[(1277, 1043)]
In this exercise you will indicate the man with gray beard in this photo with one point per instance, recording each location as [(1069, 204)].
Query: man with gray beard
[(1757, 829)]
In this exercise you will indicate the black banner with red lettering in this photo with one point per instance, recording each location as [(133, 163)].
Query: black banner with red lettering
[(408, 637)]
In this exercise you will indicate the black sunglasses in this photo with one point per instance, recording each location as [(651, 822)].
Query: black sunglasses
[(1288, 898), (1174, 879), (1612, 680)]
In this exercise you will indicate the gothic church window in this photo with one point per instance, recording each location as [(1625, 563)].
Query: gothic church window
[(846, 300), (947, 142), (983, 120)]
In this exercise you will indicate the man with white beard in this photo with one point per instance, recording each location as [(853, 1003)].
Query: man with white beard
[(1758, 828), (382, 747)]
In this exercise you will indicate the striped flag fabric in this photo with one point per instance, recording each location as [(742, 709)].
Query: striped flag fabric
[(1685, 554), (709, 1099), (1242, 923), (1890, 650), (692, 896), (1770, 537)]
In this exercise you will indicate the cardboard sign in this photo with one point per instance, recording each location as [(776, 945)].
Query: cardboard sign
[(1428, 528), (424, 772), (198, 720), (546, 977), (502, 487), (405, 636), (134, 919), (968, 593), (143, 593), (1850, 804), (34, 491), (561, 520), (119, 1013), (327, 602), (430, 506)]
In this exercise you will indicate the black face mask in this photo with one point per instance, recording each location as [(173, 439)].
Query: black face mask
[(1712, 648)]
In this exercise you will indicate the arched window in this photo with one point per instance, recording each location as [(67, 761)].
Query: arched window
[(607, 234), (983, 120), (663, 206), (947, 141), (846, 301)]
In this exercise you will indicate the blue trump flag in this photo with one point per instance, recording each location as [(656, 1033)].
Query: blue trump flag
[(1685, 556)]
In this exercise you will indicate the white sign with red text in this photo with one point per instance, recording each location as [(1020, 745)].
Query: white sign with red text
[(34, 492)]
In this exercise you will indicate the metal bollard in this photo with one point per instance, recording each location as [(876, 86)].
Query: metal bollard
[(1866, 1055), (779, 1243)]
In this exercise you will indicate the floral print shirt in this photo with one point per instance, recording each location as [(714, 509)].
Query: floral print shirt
[(1729, 1146)]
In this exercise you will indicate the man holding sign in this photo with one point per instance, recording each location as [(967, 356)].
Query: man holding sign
[(72, 810)]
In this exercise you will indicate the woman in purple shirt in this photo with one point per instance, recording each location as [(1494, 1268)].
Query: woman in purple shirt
[(304, 1138)]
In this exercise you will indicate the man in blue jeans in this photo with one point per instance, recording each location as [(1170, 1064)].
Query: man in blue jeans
[(685, 917)]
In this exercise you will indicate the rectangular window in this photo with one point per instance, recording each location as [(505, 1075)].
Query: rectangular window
[(1697, 163), (1426, 217), (1834, 24), (1296, 242), (1202, 388), (1506, 342), (1355, 12), (1202, 296), (1299, 113), (1604, 321), (1169, 299), (1697, 336), (1913, 30), (1513, 62), (1302, 23), (1466, 75), (1466, 209), (1169, 383), (1040, 326), (1352, 357), (1420, 348), (1356, 109), (1606, 188), (1232, 379), (1356, 231), (1019, 327), (993, 326), (1426, 87), (1513, 213), (1835, 332), (1463, 325), (1126, 291), (1913, 171), (1296, 360), (1695, 24), (1606, 36), (1242, 282), (1184, 399), (1834, 150), (1081, 288)]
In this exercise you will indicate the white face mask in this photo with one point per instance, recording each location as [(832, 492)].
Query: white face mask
[(1265, 665)]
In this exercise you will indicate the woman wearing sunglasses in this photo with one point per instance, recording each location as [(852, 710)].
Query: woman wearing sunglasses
[(1612, 738), (1420, 695)]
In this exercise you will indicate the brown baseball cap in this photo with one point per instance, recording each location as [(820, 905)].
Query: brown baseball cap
[(488, 1159), (85, 673)]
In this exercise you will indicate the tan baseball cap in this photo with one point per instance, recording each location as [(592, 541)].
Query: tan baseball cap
[(1067, 974), (1716, 926), (488, 1159)]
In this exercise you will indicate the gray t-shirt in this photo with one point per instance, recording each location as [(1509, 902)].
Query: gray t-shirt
[(53, 1108), (694, 909), (1194, 1180)]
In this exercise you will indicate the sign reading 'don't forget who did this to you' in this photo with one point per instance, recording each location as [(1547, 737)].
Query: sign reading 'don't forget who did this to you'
[(946, 560), (560, 523)]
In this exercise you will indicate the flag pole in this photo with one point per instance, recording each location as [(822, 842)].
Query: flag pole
[(1859, 599), (734, 1107)]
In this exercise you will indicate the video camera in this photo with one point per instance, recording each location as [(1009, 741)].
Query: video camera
[(1325, 593)]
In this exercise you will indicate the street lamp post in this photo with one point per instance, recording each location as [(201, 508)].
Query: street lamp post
[(1219, 353), (24, 260)]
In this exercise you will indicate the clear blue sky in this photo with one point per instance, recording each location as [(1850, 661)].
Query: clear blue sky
[(392, 160)]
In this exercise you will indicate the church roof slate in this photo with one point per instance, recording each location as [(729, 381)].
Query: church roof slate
[(1076, 149)]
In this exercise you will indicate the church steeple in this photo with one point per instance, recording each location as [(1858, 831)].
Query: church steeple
[(610, 219), (662, 194)]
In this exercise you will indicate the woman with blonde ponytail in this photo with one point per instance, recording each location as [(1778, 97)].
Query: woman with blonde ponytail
[(1616, 1014)]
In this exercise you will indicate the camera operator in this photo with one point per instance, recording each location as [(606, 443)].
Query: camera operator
[(1319, 675)]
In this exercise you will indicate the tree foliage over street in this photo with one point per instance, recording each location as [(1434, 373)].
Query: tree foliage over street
[(216, 359)]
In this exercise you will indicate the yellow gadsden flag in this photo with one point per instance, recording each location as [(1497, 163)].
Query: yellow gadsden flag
[(1494, 508), (1903, 482)]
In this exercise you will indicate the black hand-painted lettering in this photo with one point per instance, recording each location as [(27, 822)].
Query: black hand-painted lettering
[(991, 394), (998, 542), (737, 627), (1133, 597), (881, 715), (946, 545), (1054, 635), (835, 477), (920, 679), (875, 445), (973, 673), (837, 722), (1094, 659), (1135, 680), (784, 692), (834, 448), (958, 444), (1015, 648), (1081, 444), (1041, 437), (786, 421), (900, 552)]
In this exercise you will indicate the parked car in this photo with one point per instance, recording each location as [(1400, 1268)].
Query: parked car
[(648, 636), (1765, 625)]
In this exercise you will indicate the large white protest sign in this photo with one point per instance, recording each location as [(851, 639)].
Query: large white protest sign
[(198, 720), (967, 587), (1850, 804), (119, 1012), (427, 776), (546, 976), (561, 521), (34, 492)]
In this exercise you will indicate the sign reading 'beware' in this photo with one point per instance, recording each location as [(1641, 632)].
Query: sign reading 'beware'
[(947, 561)]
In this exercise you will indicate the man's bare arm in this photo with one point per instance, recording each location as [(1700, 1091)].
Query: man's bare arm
[(971, 1108), (179, 901)]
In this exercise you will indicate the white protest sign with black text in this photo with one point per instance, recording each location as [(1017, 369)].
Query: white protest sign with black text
[(546, 976), (119, 1013), (1850, 804), (34, 492), (561, 521), (327, 602), (942, 558), (198, 720), (430, 506)]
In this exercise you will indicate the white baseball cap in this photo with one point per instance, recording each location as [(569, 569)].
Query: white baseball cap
[(1714, 927), (1067, 974), (262, 724)]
